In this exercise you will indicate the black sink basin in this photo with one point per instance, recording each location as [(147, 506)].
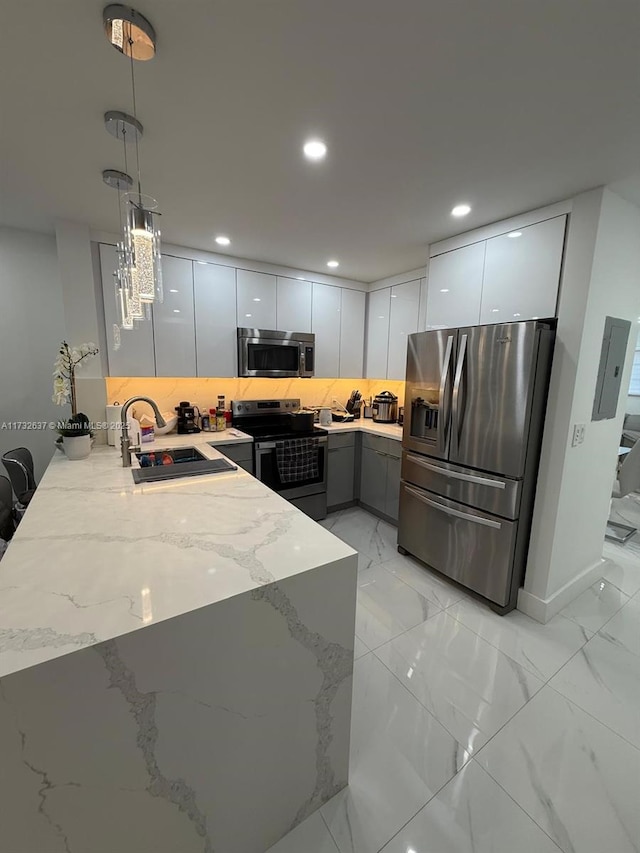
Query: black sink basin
[(153, 458), (176, 462)]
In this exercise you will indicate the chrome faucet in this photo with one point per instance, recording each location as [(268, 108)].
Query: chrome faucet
[(125, 441)]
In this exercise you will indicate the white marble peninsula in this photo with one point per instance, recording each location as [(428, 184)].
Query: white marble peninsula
[(175, 664)]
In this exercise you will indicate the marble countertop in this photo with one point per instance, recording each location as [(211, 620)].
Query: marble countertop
[(97, 556), (367, 425)]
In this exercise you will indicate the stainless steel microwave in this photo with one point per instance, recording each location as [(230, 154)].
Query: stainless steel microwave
[(262, 352)]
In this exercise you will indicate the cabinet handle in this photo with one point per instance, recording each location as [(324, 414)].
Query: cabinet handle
[(380, 453)]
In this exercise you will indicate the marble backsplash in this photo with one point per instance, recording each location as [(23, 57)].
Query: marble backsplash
[(203, 392)]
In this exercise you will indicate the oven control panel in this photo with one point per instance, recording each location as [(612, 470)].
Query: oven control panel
[(264, 407)]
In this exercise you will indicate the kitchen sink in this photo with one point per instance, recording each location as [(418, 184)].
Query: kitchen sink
[(176, 462), (153, 458)]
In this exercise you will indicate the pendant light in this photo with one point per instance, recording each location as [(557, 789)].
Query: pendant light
[(139, 273)]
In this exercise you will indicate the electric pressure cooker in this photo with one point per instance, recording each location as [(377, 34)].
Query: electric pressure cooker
[(385, 408)]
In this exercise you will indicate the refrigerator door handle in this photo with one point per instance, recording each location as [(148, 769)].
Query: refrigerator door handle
[(476, 519), (457, 475), (455, 404), (443, 426)]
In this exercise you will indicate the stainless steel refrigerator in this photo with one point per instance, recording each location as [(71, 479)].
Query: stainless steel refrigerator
[(475, 400)]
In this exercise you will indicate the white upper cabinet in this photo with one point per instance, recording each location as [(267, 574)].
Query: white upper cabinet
[(214, 289), (256, 300), (135, 357), (377, 347), (352, 333), (522, 273), (454, 287), (293, 305), (325, 324), (173, 320), (405, 308)]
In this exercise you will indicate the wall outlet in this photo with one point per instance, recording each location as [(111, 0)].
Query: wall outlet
[(578, 435)]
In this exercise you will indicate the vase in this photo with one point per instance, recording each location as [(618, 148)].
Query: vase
[(77, 446)]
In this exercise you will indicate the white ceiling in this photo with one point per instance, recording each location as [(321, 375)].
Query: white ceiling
[(506, 104)]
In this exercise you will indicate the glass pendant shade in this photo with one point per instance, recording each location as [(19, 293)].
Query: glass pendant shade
[(142, 251)]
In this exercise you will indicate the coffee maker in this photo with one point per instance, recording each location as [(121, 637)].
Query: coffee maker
[(187, 418)]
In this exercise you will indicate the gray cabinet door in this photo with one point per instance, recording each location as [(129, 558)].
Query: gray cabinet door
[(340, 475), (392, 496), (373, 479)]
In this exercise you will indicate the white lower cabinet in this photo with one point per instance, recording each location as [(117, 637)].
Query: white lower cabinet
[(522, 273), (293, 305), (214, 288), (325, 324), (352, 313), (174, 321), (454, 287), (377, 345), (135, 355), (403, 321)]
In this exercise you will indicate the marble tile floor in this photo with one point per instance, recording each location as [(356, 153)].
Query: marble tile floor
[(475, 733)]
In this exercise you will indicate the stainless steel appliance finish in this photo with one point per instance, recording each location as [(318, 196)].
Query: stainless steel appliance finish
[(385, 408), (263, 352), (499, 495), (473, 547), (269, 422), (475, 401)]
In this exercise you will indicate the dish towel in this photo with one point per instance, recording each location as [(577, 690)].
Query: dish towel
[(297, 459)]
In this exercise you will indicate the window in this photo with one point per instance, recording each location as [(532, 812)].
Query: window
[(634, 385)]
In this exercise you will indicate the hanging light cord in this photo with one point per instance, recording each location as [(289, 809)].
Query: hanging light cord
[(135, 115)]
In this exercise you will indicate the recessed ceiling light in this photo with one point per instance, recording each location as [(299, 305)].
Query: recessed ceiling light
[(247, 315), (494, 310), (461, 210), (315, 150), (256, 299), (173, 291), (394, 295), (221, 240), (514, 234), (176, 310), (333, 264), (444, 290), (516, 315)]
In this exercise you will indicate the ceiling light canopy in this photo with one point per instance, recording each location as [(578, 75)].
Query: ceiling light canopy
[(117, 180), (221, 240), (333, 264), (129, 31), (124, 127), (461, 210), (315, 150)]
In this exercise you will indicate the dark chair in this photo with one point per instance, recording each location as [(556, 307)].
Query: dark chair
[(7, 519), (19, 465)]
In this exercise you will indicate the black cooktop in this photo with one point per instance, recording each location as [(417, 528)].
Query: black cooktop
[(274, 432)]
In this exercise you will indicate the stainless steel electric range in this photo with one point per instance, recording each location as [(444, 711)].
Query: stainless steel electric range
[(290, 461)]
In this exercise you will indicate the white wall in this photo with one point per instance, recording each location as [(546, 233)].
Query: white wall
[(31, 328), (601, 277)]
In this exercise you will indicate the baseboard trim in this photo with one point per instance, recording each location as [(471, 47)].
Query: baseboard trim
[(543, 609)]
